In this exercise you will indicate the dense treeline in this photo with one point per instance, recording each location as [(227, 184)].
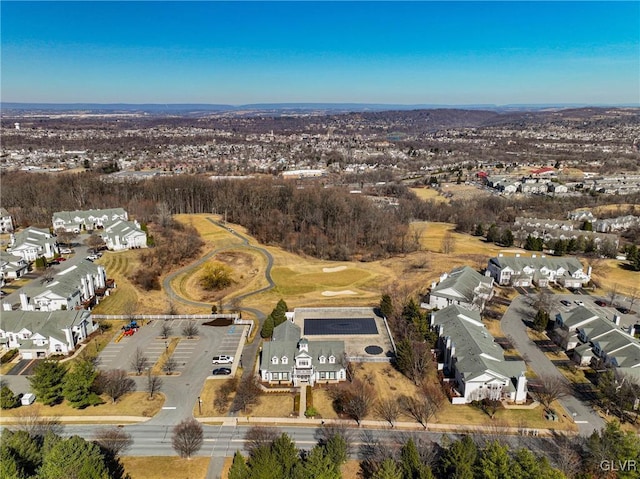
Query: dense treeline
[(49, 456), (323, 222)]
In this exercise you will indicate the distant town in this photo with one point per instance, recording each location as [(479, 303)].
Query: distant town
[(395, 292)]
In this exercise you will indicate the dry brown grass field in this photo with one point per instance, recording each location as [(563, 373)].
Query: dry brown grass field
[(158, 467), (428, 193), (610, 273), (131, 404)]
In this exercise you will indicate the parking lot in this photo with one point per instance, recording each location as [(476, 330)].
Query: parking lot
[(188, 353)]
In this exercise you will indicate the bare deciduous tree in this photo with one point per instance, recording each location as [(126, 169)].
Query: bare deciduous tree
[(187, 437), (388, 409), (115, 383), (360, 398), (139, 361), (65, 237), (94, 242), (257, 436), (550, 389), (165, 330), (448, 243), (190, 329), (169, 365), (154, 384), (612, 294), (113, 439), (35, 422), (247, 394), (422, 408)]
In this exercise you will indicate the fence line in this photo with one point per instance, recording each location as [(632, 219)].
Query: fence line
[(234, 316)]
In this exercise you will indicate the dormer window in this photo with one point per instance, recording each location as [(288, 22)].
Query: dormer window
[(322, 359), (332, 359), (274, 360), (284, 360)]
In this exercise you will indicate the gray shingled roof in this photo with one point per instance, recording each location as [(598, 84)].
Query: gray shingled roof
[(569, 264), (475, 349), (462, 280), (46, 323)]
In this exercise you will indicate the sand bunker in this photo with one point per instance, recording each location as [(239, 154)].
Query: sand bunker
[(333, 270), (337, 293)]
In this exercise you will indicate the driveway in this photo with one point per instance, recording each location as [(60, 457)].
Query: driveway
[(513, 327)]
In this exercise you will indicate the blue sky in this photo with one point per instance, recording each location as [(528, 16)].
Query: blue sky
[(365, 52)]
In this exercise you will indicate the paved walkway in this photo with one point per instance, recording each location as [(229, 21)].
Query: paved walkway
[(303, 401)]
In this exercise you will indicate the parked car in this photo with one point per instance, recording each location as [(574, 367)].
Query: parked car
[(88, 258), (223, 359), (623, 310), (565, 302), (579, 303), (65, 251), (92, 257), (62, 259), (221, 372), (2, 293), (599, 302)]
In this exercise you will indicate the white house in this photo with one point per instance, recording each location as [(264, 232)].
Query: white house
[(31, 243), (76, 286), (290, 358), (6, 222), (538, 269), (77, 221), (40, 334), (123, 235), (12, 266), (462, 286), (475, 362)]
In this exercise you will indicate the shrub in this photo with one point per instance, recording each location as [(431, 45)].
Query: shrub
[(311, 412), (8, 356)]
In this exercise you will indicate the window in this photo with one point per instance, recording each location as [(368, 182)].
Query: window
[(274, 360), (332, 374), (284, 360), (323, 375), (303, 363), (332, 359), (322, 360), (284, 376)]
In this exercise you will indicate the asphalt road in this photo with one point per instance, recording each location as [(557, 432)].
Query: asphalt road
[(513, 326), (250, 350), (223, 441)]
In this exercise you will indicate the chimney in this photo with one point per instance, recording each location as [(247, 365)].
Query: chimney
[(533, 256), (616, 319), (434, 284), (7, 307), (517, 255), (24, 302), (500, 255), (632, 330)]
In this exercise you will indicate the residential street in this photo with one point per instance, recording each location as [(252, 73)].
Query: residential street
[(514, 328)]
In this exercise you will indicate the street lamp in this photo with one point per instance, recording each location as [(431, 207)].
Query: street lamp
[(199, 405)]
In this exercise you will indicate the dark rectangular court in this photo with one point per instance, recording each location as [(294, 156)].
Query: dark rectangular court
[(334, 326)]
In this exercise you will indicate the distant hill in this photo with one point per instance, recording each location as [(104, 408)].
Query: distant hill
[(271, 108)]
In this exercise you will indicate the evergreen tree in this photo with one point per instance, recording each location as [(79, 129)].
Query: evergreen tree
[(263, 464), (286, 454), (74, 457), (506, 238), (8, 400), (24, 449), (459, 459), (410, 463), (239, 469), (479, 231), (405, 356), (267, 327), (559, 247), (386, 306), (278, 313), (533, 244), (77, 385), (493, 234), (613, 444), (541, 321), (388, 470), (336, 449), (494, 463), (9, 467), (317, 465), (572, 245), (587, 226), (47, 380), (527, 466)]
